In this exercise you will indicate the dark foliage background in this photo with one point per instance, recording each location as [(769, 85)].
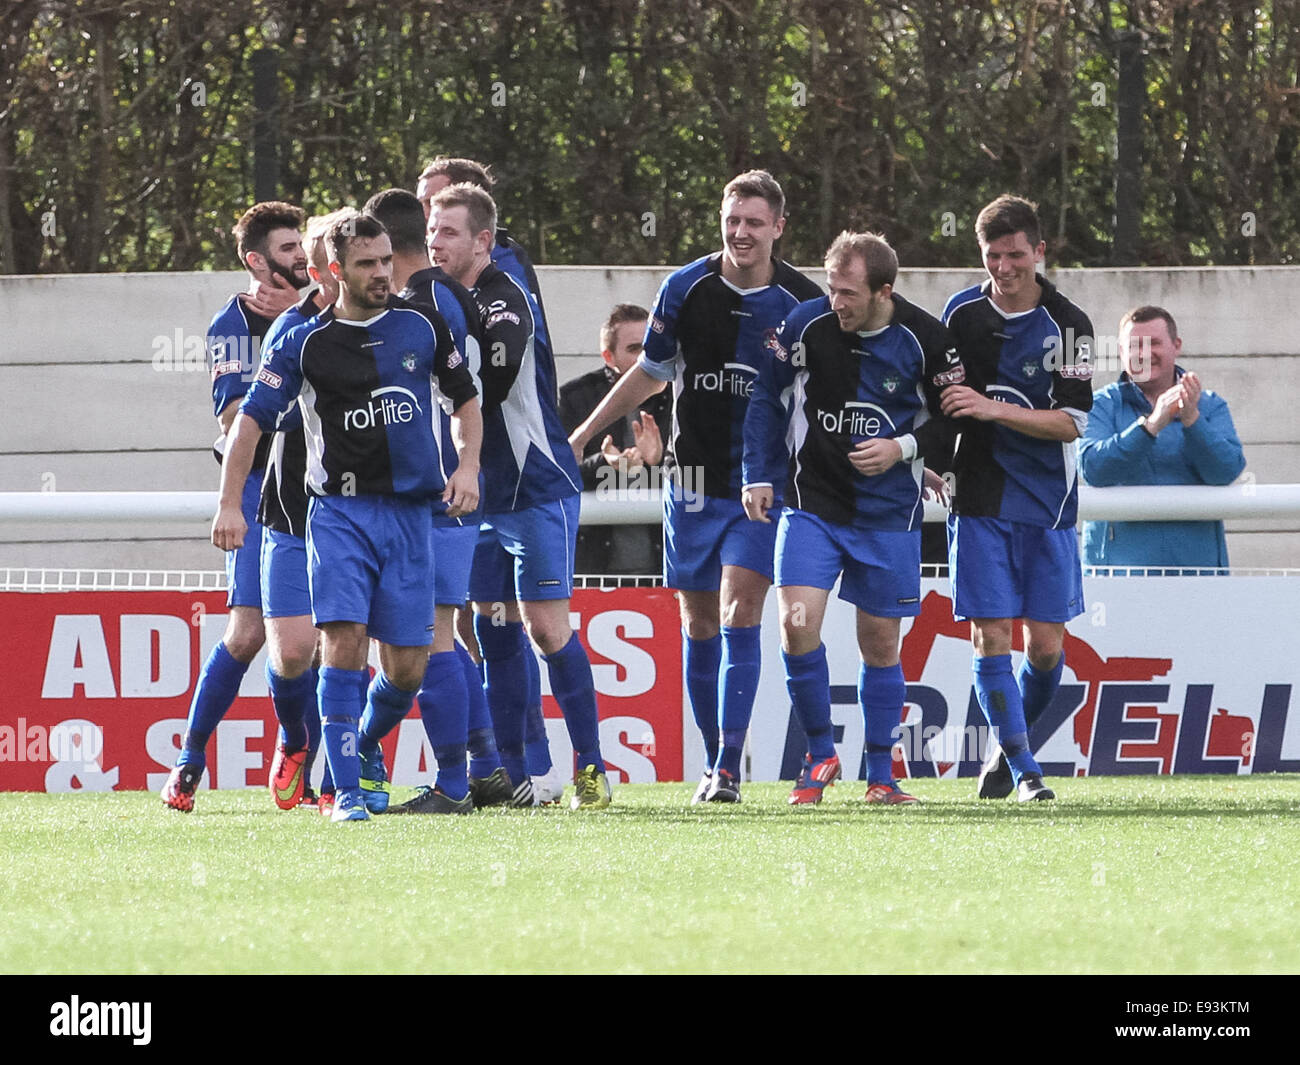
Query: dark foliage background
[(126, 129)]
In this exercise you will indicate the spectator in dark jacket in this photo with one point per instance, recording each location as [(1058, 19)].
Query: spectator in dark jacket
[(631, 449)]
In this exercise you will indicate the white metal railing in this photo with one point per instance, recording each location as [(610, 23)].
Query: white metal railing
[(1138, 503), (117, 580)]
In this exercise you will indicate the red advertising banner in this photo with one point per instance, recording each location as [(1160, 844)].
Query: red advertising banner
[(99, 684)]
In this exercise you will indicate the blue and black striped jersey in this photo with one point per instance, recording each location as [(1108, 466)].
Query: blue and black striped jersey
[(435, 288), (710, 339), (284, 491), (526, 455), (1040, 360), (826, 391), (367, 393), (234, 343)]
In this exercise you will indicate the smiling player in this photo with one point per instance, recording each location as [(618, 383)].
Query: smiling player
[(1012, 548)]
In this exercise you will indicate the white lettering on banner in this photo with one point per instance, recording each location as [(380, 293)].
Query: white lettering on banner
[(162, 743), (173, 672), (78, 769), (626, 756), (234, 759), (78, 656), (607, 635), (621, 741)]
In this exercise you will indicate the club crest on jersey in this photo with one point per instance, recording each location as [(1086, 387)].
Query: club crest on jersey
[(1029, 368), (408, 361), (890, 384)]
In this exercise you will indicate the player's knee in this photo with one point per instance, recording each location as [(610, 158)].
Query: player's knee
[(407, 675), (291, 661), (991, 637), (743, 612), (700, 628), (548, 636), (243, 638), (798, 639), (1043, 656)]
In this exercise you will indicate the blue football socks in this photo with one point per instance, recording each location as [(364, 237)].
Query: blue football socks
[(444, 709), (342, 695), (312, 722), (537, 748), (506, 685), (881, 692), (386, 705), (572, 686), (999, 698), (702, 658), (742, 658), (294, 700), (219, 681), (807, 679), (484, 758), (1038, 686)]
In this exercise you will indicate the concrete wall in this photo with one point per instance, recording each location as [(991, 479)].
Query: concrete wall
[(91, 401)]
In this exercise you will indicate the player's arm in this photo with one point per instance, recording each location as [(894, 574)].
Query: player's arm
[(961, 401), (229, 527), (765, 455), (461, 494), (277, 385), (656, 365), (456, 382), (227, 416), (631, 390), (933, 432), (508, 332)]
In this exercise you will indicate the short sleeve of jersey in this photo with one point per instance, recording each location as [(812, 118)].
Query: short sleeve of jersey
[(232, 356), (766, 449), (454, 377), (278, 381), (1072, 374), (659, 350)]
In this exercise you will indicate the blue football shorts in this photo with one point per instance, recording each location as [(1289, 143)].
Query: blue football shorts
[(703, 533), (453, 552), (285, 589), (244, 564), (1008, 569), (370, 560), (527, 555), (881, 568)]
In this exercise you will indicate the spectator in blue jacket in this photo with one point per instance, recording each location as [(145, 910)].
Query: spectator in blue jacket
[(1157, 425)]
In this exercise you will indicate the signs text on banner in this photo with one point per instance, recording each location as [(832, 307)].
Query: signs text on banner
[(100, 683), (1162, 675)]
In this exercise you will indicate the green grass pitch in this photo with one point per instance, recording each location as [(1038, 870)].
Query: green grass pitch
[(1122, 875)]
